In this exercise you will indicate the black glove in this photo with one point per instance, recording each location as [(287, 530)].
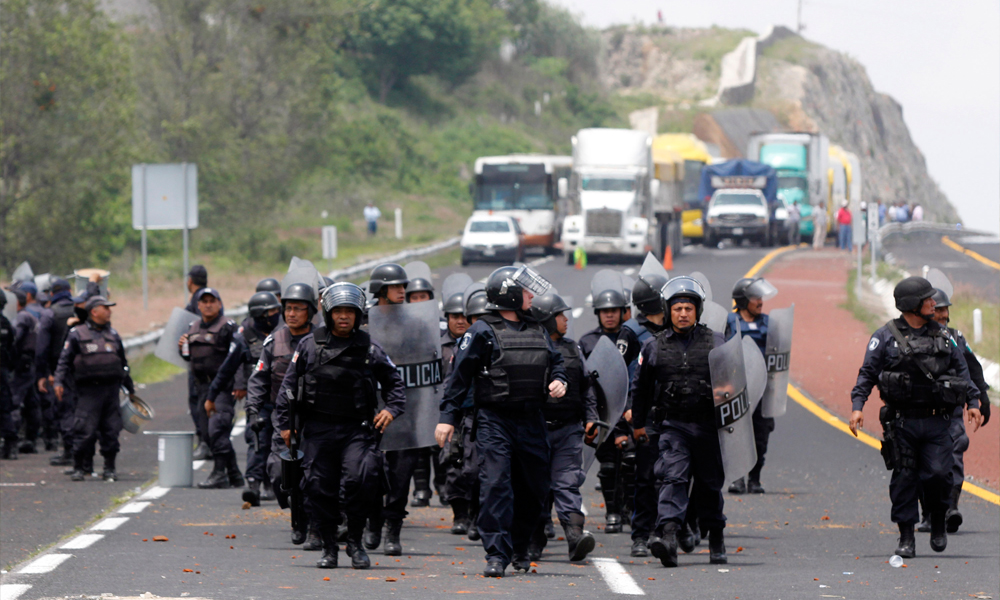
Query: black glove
[(984, 409), (254, 421)]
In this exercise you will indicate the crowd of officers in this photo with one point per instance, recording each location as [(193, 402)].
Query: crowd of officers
[(518, 406)]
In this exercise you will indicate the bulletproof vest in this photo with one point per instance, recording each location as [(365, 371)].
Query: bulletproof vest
[(520, 373), (6, 344), (61, 311), (448, 345), (757, 330), (253, 339), (30, 341), (570, 406), (682, 376), (640, 332), (209, 347), (98, 360), (340, 382), (282, 350), (902, 382)]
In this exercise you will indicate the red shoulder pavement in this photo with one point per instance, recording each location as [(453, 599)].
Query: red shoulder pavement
[(829, 346)]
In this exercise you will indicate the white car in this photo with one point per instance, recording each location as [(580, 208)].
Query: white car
[(492, 238), (737, 213)]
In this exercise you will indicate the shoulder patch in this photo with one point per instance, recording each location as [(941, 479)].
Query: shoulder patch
[(268, 340), (873, 344), (295, 357), (232, 347), (240, 330), (260, 365), (622, 346), (640, 359), (465, 341)]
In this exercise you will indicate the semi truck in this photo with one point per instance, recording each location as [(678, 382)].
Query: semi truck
[(741, 202), (801, 161), (610, 191), (695, 155)]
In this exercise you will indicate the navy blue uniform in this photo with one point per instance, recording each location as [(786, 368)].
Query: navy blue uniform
[(38, 407), (217, 338), (8, 358), (762, 426), (51, 336), (22, 381), (511, 440)]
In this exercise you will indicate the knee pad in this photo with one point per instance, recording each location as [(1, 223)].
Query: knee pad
[(607, 469)]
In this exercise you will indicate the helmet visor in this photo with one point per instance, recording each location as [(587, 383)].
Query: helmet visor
[(761, 288), (529, 279), (686, 286), (343, 294)]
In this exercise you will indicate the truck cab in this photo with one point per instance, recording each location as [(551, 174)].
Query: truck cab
[(738, 214)]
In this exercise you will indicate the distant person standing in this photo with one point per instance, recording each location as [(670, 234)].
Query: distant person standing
[(819, 225), (918, 212), (794, 223), (844, 229), (881, 213), (197, 280), (372, 215)]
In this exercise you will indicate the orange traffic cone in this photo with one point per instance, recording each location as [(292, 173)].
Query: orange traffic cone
[(668, 259)]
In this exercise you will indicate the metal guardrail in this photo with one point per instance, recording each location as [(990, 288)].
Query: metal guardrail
[(926, 227)]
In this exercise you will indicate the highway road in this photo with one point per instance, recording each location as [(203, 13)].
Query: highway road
[(915, 250), (821, 531)]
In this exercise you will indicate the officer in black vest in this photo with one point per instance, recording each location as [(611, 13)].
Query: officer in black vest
[(298, 307), (208, 341), (93, 358), (244, 354), (37, 407), (52, 336), (458, 484), (8, 358), (332, 382), (515, 368), (569, 420), (924, 382), (23, 378), (673, 380), (634, 333)]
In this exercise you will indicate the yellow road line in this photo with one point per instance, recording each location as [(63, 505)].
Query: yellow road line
[(973, 255), (837, 423)]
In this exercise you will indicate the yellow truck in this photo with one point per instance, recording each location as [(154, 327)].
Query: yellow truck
[(694, 155)]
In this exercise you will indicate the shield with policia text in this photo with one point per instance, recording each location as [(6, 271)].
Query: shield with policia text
[(166, 348), (411, 336), (608, 372), (733, 408), (777, 355)]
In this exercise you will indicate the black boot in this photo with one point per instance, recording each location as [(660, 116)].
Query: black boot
[(738, 487), (299, 535), (355, 547), (717, 547), (687, 539), (233, 471), (473, 534), (665, 546), (252, 493), (520, 561), (580, 542), (613, 522), (550, 530), (201, 451), (51, 443), (28, 447), (494, 568), (460, 523), (422, 480), (217, 479), (64, 459), (87, 466), (640, 548), (267, 494), (924, 526), (754, 487), (907, 547), (537, 542), (330, 549), (313, 540), (77, 472), (939, 534), (10, 450), (372, 536), (392, 547), (109, 473), (953, 518)]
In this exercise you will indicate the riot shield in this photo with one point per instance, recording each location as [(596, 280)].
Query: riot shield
[(607, 368), (603, 280), (454, 284), (476, 287), (733, 408), (411, 336), (703, 280), (627, 284), (179, 323), (938, 279), (302, 271), (651, 266), (418, 269), (44, 282), (756, 370), (10, 309), (23, 272), (714, 316), (777, 355)]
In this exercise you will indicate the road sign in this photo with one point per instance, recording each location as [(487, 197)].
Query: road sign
[(329, 242), (165, 196)]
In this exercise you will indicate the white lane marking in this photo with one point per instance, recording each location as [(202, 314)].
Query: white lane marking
[(540, 261), (17, 485), (11, 591), (45, 563), (82, 541), (617, 577), (109, 524), (629, 271), (133, 507), (577, 312), (154, 493), (197, 464), (238, 431)]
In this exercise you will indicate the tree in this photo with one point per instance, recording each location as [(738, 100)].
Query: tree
[(67, 115)]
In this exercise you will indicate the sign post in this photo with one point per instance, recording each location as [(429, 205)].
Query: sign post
[(330, 243), (399, 223)]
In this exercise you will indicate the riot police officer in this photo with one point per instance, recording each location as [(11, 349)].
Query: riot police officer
[(634, 333), (609, 308), (93, 358), (8, 357), (270, 284), (298, 307), (37, 407), (332, 383), (208, 342), (244, 354), (23, 378), (569, 420), (52, 336), (748, 318), (673, 380), (458, 484), (516, 368), (924, 382)]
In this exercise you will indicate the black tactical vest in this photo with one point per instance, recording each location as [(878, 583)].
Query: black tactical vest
[(98, 361), (282, 350), (6, 345), (683, 379), (209, 347), (340, 383), (253, 339), (520, 374), (29, 343), (61, 312), (570, 406), (902, 382)]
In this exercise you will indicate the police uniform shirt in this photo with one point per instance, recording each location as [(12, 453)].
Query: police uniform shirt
[(259, 383), (975, 367), (7, 353), (628, 342), (71, 348), (225, 379), (756, 329), (388, 378), (589, 340), (588, 394), (52, 335), (477, 345), (25, 326), (883, 344)]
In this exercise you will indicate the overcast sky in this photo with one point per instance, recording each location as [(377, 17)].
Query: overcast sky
[(940, 60)]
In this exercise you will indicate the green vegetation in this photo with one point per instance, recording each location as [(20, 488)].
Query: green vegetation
[(150, 369), (709, 45), (872, 319), (962, 306)]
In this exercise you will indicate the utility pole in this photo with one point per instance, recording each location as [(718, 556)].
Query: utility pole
[(800, 26)]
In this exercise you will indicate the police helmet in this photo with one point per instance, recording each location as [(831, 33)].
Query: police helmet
[(941, 299), (646, 293), (455, 304), (261, 302), (343, 293), (269, 285), (609, 299), (419, 284), (386, 274), (911, 292), (748, 288), (684, 287), (545, 308), (300, 292), (477, 305), (505, 287)]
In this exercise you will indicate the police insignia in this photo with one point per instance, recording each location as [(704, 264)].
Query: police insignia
[(295, 356), (465, 341), (873, 344), (640, 359), (622, 346)]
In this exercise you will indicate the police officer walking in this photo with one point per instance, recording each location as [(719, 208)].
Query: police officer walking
[(93, 359), (458, 486), (206, 345), (332, 383), (924, 382), (8, 358), (52, 336), (23, 378), (673, 380), (515, 368)]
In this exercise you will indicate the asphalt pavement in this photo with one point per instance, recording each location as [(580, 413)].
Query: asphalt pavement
[(821, 531), (914, 250)]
